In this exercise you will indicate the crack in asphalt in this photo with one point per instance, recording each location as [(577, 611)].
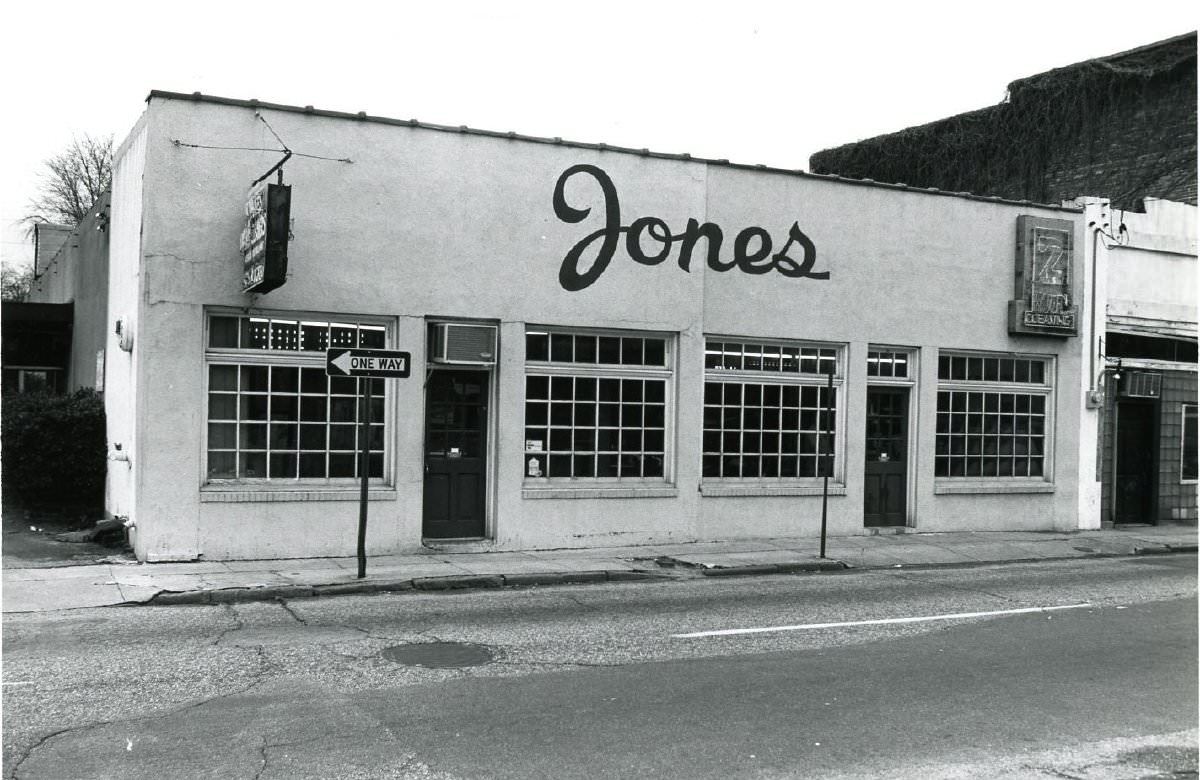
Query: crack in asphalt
[(580, 604), (262, 754), (908, 577), (30, 750), (288, 609), (581, 664), (238, 624), (257, 679)]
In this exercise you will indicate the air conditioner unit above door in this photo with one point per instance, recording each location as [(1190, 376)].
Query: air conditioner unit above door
[(462, 344), (1140, 384)]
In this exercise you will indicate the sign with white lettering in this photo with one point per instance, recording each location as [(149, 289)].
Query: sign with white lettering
[(367, 362), (264, 241), (1045, 303)]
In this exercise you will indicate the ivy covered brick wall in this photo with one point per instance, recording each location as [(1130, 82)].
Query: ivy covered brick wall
[(1122, 127)]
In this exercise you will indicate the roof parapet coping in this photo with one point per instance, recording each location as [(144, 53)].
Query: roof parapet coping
[(361, 116)]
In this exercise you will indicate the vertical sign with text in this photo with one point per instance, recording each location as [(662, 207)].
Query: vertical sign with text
[(264, 243), (1045, 275)]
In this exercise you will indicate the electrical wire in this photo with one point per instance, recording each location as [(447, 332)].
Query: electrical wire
[(177, 142)]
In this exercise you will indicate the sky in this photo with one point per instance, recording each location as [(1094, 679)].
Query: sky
[(749, 81)]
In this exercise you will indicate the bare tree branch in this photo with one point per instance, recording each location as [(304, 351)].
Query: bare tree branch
[(15, 281), (73, 181)]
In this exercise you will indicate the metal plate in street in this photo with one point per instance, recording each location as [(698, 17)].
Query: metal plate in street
[(367, 362)]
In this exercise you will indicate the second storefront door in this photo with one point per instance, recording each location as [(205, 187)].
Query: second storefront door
[(886, 486)]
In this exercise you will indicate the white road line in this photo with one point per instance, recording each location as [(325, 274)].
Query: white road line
[(17, 683), (879, 622)]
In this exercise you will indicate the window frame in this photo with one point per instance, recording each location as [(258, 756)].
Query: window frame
[(242, 356), (1183, 418), (548, 485), (911, 368), (783, 485), (1047, 389)]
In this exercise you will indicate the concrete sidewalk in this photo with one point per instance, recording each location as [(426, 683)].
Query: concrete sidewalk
[(207, 582)]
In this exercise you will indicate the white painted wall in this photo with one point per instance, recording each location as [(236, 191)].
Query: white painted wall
[(429, 223), (1152, 276), (122, 382)]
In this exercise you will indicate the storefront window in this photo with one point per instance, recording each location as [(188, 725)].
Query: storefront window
[(992, 416), (1188, 472), (273, 414), (767, 409), (595, 405)]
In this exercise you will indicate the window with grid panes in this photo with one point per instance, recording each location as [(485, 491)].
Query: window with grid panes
[(765, 409), (887, 363), (273, 414), (595, 405), (992, 416)]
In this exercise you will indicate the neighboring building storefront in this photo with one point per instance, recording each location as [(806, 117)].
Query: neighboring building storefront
[(608, 346), (1147, 452)]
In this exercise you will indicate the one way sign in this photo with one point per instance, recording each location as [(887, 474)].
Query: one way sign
[(367, 362)]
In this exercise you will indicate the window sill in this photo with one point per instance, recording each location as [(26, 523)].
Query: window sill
[(249, 494), (947, 487), (616, 491), (721, 490)]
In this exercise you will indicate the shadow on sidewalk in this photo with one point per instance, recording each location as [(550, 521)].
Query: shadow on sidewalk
[(30, 541)]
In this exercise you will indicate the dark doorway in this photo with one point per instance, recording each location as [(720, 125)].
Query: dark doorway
[(886, 480), (1136, 466), (455, 454)]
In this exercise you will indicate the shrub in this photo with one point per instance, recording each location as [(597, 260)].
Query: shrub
[(54, 449)]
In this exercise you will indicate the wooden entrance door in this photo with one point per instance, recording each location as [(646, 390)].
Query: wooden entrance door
[(1137, 445), (886, 480), (455, 454)]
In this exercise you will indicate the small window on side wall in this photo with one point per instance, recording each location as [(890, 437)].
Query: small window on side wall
[(1188, 445)]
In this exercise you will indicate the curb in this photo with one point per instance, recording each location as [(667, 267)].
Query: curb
[(424, 584), (775, 568), (541, 579), (1166, 549)]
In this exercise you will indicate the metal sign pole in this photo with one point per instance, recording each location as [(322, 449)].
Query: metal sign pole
[(826, 462), (366, 365), (364, 467)]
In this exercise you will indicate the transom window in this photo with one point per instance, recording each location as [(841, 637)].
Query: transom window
[(291, 335), (273, 414), (767, 410), (596, 350), (992, 416), (595, 406), (772, 358), (974, 368), (887, 363)]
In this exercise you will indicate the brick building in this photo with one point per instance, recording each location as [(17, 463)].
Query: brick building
[(1121, 126), (1116, 134)]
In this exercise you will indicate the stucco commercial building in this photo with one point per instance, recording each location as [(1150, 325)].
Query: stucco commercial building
[(608, 346)]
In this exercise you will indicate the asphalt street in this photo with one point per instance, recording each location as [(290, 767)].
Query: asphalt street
[(630, 680)]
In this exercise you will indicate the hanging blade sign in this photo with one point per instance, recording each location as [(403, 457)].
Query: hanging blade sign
[(368, 362)]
